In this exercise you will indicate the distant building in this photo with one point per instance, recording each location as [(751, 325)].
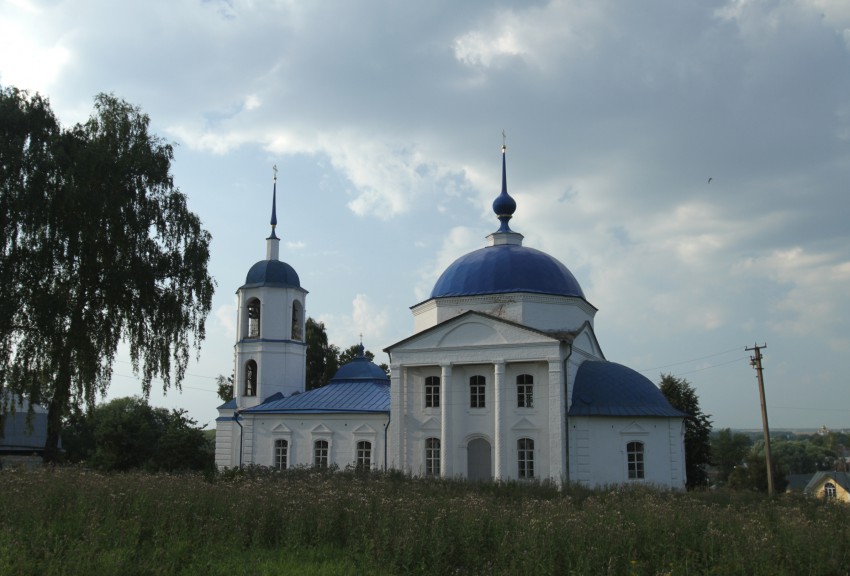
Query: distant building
[(22, 443), (503, 379), (829, 486)]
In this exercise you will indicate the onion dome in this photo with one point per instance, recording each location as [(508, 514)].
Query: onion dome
[(506, 265), (361, 368), (272, 273), (608, 389), (503, 269)]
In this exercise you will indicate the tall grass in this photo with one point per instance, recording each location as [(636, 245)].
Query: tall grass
[(73, 521)]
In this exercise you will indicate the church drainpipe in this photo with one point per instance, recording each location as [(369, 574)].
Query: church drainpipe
[(386, 434), (236, 419), (566, 411)]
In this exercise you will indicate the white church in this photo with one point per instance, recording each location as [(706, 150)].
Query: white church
[(503, 378)]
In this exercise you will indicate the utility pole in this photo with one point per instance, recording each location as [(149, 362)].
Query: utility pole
[(755, 362)]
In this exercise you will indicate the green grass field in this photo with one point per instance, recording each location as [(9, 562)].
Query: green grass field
[(72, 521)]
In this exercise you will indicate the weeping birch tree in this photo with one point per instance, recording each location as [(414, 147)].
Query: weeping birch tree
[(98, 247)]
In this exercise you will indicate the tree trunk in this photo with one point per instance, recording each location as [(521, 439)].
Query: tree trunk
[(57, 408)]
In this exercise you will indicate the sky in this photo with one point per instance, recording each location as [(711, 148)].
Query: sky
[(687, 160)]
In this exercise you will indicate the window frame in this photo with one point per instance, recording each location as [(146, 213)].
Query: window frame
[(525, 391), (432, 391), (250, 388), (829, 491), (297, 316), (477, 391), (281, 454), (636, 460), (432, 457), (525, 458), (363, 455), (253, 310), (321, 453)]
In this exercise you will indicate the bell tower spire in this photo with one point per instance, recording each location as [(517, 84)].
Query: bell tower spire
[(273, 242)]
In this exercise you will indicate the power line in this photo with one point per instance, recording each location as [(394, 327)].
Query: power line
[(692, 360)]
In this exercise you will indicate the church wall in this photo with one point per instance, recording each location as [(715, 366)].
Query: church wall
[(301, 431), (224, 442), (598, 450), (466, 423), (537, 311)]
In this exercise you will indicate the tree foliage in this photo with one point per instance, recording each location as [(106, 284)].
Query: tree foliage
[(728, 451), (802, 456), (98, 246), (682, 396), (322, 357), (225, 388), (752, 475), (127, 433)]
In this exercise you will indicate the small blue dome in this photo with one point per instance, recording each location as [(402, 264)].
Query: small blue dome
[(272, 273), (361, 368), (506, 268), (608, 389)]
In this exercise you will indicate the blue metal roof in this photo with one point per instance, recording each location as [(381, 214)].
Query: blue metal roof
[(229, 405), (336, 397), (506, 268), (361, 368), (272, 273), (608, 389)]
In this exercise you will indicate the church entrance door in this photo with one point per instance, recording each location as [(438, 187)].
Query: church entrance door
[(479, 465)]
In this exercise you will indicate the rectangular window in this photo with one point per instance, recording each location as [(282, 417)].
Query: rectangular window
[(320, 454), (477, 386), (525, 458), (432, 392), (525, 391), (364, 455), (281, 450), (432, 457), (634, 452)]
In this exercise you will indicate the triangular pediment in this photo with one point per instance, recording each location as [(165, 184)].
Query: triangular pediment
[(524, 424), (473, 329), (431, 423), (585, 340), (280, 428), (321, 429), (634, 429), (363, 429)]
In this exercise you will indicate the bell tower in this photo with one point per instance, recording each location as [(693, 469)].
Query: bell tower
[(271, 353)]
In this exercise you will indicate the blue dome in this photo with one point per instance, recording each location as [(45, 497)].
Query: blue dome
[(272, 273), (360, 368), (608, 389), (506, 268)]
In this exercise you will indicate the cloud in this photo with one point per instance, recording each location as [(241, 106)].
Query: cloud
[(366, 321)]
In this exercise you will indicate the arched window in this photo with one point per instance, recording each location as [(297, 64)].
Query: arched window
[(829, 490), (432, 392), (281, 451), (250, 378), (525, 458), (634, 454), (320, 454), (253, 318), (432, 457), (477, 386), (297, 315), (364, 455), (525, 391)]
